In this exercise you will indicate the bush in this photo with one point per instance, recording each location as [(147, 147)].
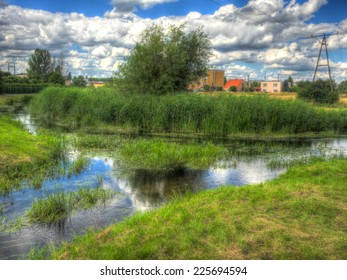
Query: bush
[(233, 89), (318, 91)]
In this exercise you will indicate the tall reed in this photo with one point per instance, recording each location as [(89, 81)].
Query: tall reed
[(223, 115)]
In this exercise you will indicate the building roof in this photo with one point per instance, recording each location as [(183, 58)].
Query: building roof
[(234, 82)]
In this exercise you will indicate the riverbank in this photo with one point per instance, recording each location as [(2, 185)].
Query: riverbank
[(23, 154), (301, 215)]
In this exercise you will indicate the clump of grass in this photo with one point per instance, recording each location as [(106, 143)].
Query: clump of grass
[(1, 209), (78, 165), (161, 156), (184, 113), (52, 209), (58, 206)]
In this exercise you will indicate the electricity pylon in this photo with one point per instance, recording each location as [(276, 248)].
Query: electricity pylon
[(324, 43)]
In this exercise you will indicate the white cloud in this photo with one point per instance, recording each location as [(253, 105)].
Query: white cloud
[(98, 45), (127, 6)]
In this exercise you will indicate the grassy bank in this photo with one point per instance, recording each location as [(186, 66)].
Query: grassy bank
[(301, 215), (22, 154), (184, 113)]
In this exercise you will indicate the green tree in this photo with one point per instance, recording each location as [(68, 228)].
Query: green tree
[(165, 61), (43, 68), (40, 65), (56, 78), (79, 81)]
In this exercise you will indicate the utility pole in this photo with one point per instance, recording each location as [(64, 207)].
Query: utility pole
[(324, 43)]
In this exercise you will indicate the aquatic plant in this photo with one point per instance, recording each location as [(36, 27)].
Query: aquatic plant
[(78, 165), (60, 205), (159, 156)]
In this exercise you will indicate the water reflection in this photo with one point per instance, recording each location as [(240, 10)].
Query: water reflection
[(142, 191)]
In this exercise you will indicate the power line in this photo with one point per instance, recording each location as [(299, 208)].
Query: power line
[(268, 15)]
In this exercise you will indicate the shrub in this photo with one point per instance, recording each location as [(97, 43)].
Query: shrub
[(318, 91)]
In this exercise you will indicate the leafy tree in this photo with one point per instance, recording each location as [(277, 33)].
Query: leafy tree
[(288, 84), (79, 81), (43, 68), (318, 91), (56, 78), (40, 65), (165, 61)]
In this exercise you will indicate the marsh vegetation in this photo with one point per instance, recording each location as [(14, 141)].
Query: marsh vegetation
[(184, 113), (167, 151)]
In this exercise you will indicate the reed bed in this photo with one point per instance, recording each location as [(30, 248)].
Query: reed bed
[(184, 113)]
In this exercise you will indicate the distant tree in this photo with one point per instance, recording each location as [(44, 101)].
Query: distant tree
[(69, 77), (40, 65), (290, 81), (225, 80), (44, 68), (318, 91), (165, 61), (79, 81), (288, 84), (56, 78)]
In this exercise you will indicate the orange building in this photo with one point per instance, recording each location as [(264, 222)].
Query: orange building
[(238, 83)]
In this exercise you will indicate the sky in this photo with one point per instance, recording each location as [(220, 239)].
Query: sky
[(260, 38)]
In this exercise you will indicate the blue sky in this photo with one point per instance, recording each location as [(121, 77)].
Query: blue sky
[(334, 11), (248, 37)]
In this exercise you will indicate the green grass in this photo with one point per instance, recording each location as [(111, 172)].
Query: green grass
[(301, 215), (58, 206), (161, 156), (184, 113), (23, 154)]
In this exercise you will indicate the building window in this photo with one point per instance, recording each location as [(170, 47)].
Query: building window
[(265, 85), (275, 85)]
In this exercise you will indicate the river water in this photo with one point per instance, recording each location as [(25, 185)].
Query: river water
[(141, 191)]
